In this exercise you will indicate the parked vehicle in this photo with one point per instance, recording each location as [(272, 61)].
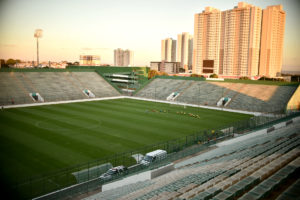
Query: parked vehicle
[(113, 172), (154, 156)]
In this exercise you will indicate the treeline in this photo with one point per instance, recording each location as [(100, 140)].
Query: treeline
[(263, 78), (7, 63), (153, 73)]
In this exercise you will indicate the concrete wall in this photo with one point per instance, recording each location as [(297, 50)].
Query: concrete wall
[(162, 170), (294, 102)]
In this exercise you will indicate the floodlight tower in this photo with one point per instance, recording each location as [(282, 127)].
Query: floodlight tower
[(38, 34)]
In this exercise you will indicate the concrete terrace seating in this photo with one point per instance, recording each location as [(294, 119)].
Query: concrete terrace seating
[(251, 169), (160, 88), (276, 101), (12, 90), (95, 83), (52, 86), (201, 92), (261, 190), (292, 192), (248, 97), (120, 191)]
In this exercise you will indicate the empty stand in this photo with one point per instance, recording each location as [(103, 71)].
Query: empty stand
[(52, 86), (12, 91), (95, 83), (247, 97), (251, 169)]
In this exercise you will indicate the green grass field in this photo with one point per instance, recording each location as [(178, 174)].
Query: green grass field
[(42, 139)]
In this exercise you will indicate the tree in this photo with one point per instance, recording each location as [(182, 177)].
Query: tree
[(244, 78), (181, 70), (163, 74), (152, 73), (10, 61), (213, 76), (197, 75), (2, 61)]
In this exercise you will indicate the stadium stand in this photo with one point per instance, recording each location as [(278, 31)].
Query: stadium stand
[(95, 84), (201, 93), (161, 88), (292, 192), (12, 91), (15, 87), (252, 169), (248, 97)]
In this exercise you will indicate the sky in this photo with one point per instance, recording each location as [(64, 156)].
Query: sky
[(96, 27)]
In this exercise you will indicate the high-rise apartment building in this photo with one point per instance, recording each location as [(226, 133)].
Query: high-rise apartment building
[(207, 41), (243, 41), (272, 35), (163, 66), (123, 57), (118, 57), (240, 40), (128, 58), (168, 50), (185, 50)]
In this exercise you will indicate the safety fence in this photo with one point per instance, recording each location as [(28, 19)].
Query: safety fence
[(85, 177)]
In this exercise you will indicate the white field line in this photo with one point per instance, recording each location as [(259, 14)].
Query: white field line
[(198, 106), (136, 98), (61, 102)]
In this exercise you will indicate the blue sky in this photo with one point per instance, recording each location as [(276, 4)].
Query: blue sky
[(74, 27)]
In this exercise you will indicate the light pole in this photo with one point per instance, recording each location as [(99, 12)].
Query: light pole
[(38, 34)]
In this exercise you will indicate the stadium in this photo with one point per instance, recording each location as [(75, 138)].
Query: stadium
[(62, 128)]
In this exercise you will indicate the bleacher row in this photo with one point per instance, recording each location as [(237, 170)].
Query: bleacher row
[(57, 86), (249, 97), (252, 169), (52, 86)]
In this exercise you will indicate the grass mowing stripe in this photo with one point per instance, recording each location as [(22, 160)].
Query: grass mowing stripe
[(49, 149), (78, 138), (59, 136), (102, 146), (28, 155), (158, 119), (118, 118), (125, 124), (68, 154), (104, 122), (15, 158)]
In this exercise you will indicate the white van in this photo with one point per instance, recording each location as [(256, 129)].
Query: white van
[(154, 156)]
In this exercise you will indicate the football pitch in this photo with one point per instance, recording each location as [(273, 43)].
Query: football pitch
[(42, 139)]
